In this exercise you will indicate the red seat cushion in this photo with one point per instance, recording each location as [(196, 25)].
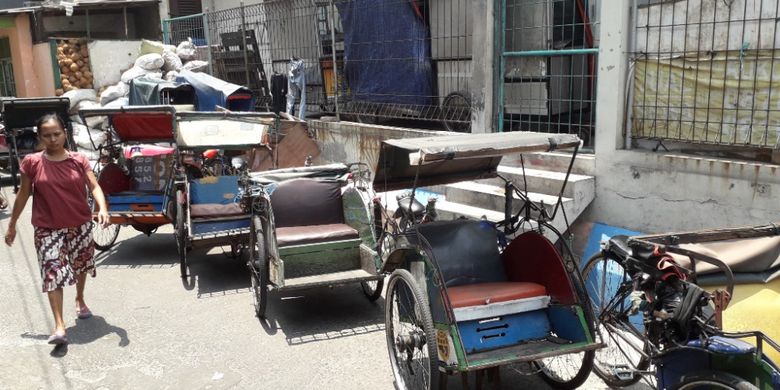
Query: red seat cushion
[(484, 293), (313, 234), (216, 210)]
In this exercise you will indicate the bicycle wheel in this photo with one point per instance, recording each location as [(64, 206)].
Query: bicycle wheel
[(411, 341), (566, 371), (618, 363), (372, 289), (105, 237), (258, 267), (181, 233), (713, 380)]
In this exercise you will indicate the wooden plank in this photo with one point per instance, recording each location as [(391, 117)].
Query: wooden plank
[(318, 247), (530, 351), (321, 262), (331, 279)]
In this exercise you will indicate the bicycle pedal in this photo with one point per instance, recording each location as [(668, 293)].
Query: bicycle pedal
[(623, 372)]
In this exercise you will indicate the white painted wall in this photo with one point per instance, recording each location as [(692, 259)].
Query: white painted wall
[(110, 58)]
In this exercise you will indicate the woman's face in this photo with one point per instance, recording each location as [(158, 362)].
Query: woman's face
[(52, 135)]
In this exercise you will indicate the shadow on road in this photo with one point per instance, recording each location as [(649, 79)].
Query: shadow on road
[(322, 314), (140, 251), (84, 332), (216, 273)]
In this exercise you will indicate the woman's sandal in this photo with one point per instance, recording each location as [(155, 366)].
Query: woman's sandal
[(83, 312), (58, 338)]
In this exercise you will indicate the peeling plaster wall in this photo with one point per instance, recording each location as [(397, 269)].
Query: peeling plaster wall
[(659, 192)]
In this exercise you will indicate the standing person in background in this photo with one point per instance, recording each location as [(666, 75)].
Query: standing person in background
[(58, 180)]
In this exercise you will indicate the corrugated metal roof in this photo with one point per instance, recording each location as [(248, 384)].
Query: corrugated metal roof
[(78, 4)]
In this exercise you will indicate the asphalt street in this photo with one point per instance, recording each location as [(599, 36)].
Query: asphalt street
[(152, 331)]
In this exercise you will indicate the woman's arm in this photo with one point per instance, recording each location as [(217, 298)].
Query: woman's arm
[(100, 199), (21, 200)]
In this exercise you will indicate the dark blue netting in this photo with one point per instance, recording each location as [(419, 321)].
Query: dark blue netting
[(386, 52)]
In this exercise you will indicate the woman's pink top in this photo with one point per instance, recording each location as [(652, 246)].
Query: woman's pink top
[(59, 190)]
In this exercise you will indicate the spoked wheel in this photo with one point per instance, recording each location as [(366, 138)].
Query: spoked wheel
[(713, 380), (373, 289), (411, 340), (566, 371), (258, 267), (105, 237), (181, 233), (618, 364)]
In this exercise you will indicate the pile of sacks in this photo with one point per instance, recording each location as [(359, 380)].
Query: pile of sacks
[(157, 61)]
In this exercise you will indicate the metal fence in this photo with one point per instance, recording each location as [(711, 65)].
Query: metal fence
[(549, 65), (705, 71), (369, 60)]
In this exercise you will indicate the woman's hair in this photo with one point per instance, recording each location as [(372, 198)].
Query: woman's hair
[(49, 117)]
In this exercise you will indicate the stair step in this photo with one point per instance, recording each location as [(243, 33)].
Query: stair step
[(546, 182), (450, 210), (584, 164), (490, 197)]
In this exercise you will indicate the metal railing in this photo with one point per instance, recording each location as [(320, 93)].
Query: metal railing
[(548, 66), (706, 72)]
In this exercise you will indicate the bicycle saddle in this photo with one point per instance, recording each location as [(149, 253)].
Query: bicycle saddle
[(403, 204)]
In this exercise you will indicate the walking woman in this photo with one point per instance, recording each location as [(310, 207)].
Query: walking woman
[(58, 180)]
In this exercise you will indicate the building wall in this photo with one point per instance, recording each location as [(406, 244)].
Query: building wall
[(43, 69), (27, 80)]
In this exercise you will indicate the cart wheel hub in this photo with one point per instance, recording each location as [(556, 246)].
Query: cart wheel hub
[(409, 342)]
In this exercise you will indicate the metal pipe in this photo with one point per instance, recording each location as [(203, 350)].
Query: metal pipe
[(551, 53), (332, 16), (243, 38), (630, 83), (124, 15), (207, 36), (89, 34)]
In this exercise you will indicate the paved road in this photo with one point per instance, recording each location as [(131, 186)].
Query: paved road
[(150, 331)]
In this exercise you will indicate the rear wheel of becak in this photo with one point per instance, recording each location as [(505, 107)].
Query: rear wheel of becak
[(372, 289), (566, 371), (181, 232), (713, 380), (411, 338), (258, 267)]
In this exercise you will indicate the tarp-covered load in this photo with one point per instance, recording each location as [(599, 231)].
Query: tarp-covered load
[(146, 91), (386, 52), (212, 92)]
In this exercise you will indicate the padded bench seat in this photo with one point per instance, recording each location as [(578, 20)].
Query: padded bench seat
[(216, 210), (486, 300), (486, 293), (313, 234)]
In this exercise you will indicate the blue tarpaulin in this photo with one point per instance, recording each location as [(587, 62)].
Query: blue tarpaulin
[(386, 52), (212, 92)]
